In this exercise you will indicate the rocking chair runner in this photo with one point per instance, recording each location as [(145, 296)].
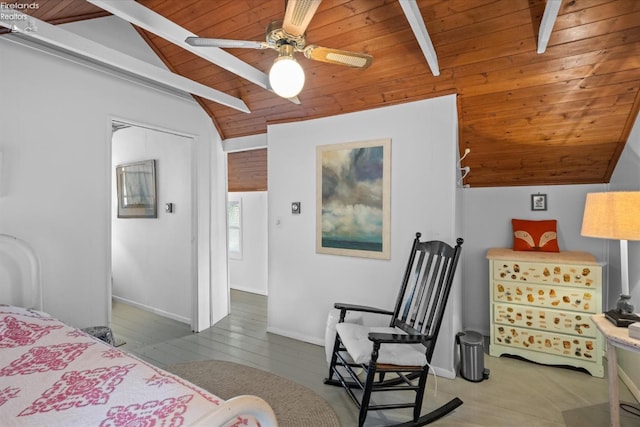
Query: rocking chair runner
[(405, 347)]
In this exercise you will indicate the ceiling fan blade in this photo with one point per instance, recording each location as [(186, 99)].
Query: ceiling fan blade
[(337, 56), (298, 15), (224, 43)]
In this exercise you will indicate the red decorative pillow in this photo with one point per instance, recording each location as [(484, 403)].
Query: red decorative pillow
[(535, 235)]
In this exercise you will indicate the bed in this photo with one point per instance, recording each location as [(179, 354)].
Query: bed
[(56, 375)]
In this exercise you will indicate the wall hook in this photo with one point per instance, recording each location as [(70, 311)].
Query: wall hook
[(463, 174), (466, 151)]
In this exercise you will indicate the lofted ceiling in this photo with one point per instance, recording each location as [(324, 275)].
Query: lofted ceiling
[(560, 117)]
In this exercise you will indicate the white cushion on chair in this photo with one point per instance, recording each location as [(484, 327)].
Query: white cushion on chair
[(330, 331), (356, 340)]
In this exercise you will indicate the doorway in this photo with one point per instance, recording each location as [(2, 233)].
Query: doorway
[(247, 208), (248, 241), (153, 263)]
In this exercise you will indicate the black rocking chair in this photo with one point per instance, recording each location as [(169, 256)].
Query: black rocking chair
[(405, 347)]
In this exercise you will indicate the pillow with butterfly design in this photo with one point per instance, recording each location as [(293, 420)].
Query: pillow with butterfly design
[(529, 235)]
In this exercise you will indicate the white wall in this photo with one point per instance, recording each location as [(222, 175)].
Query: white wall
[(626, 177), (116, 33), (56, 149), (249, 273), (487, 224), (152, 258), (304, 285)]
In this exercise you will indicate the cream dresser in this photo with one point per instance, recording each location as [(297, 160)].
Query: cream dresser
[(541, 303)]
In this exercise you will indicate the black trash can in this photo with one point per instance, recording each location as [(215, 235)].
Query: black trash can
[(472, 356)]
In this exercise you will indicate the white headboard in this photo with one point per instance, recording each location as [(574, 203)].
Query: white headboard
[(19, 274)]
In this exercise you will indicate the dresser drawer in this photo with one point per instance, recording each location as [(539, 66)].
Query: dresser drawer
[(547, 273), (541, 305), (548, 320), (546, 342), (560, 297)]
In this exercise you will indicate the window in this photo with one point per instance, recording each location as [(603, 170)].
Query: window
[(234, 221)]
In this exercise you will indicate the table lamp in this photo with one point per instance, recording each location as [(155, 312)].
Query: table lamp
[(615, 215)]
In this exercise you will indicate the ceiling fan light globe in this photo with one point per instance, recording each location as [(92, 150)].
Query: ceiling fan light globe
[(286, 77)]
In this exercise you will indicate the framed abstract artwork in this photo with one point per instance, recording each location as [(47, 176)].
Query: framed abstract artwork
[(353, 199), (136, 188)]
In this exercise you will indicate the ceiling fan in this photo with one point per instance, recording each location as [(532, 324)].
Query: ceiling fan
[(287, 37)]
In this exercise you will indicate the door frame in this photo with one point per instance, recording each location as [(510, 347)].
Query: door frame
[(193, 184)]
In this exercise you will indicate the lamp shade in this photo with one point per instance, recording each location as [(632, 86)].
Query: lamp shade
[(286, 77), (612, 215)]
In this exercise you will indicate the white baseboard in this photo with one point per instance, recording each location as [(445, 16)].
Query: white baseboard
[(153, 310), (246, 289), (295, 336)]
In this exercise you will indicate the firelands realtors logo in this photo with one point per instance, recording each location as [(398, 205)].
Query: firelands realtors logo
[(8, 10), (16, 12), (19, 6)]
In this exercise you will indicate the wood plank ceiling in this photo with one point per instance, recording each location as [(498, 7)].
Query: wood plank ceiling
[(561, 117)]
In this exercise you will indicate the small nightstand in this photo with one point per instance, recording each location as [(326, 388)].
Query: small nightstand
[(616, 337)]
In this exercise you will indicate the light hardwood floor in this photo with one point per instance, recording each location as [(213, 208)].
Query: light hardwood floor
[(517, 392)]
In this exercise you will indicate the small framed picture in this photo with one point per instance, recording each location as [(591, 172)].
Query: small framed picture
[(136, 187), (538, 202)]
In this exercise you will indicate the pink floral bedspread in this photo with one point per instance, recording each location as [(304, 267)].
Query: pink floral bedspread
[(54, 375)]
